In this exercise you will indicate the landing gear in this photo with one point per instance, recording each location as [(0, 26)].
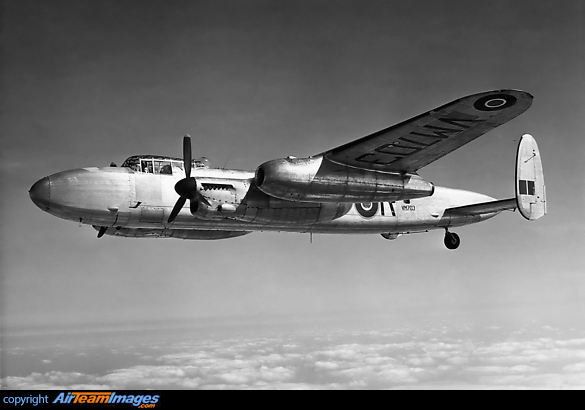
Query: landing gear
[(452, 240)]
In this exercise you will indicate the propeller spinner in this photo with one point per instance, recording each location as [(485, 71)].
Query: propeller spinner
[(186, 187)]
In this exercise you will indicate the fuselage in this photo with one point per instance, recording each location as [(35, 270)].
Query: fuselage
[(132, 202), (369, 185)]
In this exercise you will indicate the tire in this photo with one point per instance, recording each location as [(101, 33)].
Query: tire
[(452, 240)]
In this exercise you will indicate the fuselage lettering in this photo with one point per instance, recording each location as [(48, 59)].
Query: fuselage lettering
[(369, 210)]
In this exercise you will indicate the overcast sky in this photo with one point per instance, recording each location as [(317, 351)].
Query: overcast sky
[(85, 83)]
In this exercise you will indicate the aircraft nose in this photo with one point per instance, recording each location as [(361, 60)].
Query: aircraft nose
[(40, 193)]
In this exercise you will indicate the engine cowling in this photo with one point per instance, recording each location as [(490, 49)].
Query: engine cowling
[(219, 198), (317, 179)]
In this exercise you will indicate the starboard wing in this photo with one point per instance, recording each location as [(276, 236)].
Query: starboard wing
[(419, 141)]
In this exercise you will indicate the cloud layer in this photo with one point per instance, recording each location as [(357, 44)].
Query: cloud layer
[(434, 358)]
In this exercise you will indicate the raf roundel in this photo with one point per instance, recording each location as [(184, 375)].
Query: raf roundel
[(367, 210), (494, 102)]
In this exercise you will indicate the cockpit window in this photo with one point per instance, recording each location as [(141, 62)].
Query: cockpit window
[(177, 167), (152, 164), (146, 166), (162, 167)]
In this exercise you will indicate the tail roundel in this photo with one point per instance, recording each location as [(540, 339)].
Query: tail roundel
[(530, 188)]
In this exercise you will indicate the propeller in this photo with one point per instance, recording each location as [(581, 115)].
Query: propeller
[(186, 187)]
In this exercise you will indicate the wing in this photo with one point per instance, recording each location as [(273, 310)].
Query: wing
[(419, 141)]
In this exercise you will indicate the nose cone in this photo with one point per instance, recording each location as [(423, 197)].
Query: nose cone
[(40, 193)]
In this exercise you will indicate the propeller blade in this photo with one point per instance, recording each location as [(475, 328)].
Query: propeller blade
[(193, 206), (102, 231), (201, 198), (186, 188), (187, 155), (177, 208)]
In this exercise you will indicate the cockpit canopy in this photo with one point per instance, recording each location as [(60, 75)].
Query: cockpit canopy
[(156, 164)]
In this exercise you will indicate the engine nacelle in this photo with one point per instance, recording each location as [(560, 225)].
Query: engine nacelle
[(220, 198), (316, 179), (201, 210)]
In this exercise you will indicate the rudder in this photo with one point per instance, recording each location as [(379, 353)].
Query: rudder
[(530, 188)]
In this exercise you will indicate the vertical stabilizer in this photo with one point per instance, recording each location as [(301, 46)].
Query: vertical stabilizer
[(530, 189)]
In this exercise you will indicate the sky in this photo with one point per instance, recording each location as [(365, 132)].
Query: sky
[(85, 83)]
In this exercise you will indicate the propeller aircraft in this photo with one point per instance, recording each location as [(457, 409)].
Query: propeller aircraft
[(367, 186)]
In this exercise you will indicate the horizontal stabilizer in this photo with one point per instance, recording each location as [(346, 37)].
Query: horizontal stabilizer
[(530, 188), (484, 207)]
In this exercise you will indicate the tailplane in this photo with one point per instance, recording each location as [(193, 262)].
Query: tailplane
[(530, 188)]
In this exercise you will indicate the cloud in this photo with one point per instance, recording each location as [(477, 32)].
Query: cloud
[(404, 359), (575, 368), (52, 380)]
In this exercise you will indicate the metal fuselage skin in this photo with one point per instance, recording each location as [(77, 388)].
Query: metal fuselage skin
[(127, 200)]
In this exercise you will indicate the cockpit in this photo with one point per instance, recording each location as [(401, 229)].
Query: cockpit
[(155, 164)]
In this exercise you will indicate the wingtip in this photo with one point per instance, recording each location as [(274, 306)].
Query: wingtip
[(520, 93), (514, 91)]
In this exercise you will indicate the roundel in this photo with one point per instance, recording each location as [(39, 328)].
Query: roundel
[(494, 102), (367, 210)]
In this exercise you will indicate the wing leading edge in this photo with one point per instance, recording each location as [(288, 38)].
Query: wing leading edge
[(412, 144)]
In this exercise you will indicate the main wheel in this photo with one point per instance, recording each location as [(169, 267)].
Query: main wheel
[(452, 240)]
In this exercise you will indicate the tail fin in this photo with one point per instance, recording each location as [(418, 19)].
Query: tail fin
[(530, 189)]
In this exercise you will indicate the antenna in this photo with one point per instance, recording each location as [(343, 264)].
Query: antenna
[(228, 158)]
